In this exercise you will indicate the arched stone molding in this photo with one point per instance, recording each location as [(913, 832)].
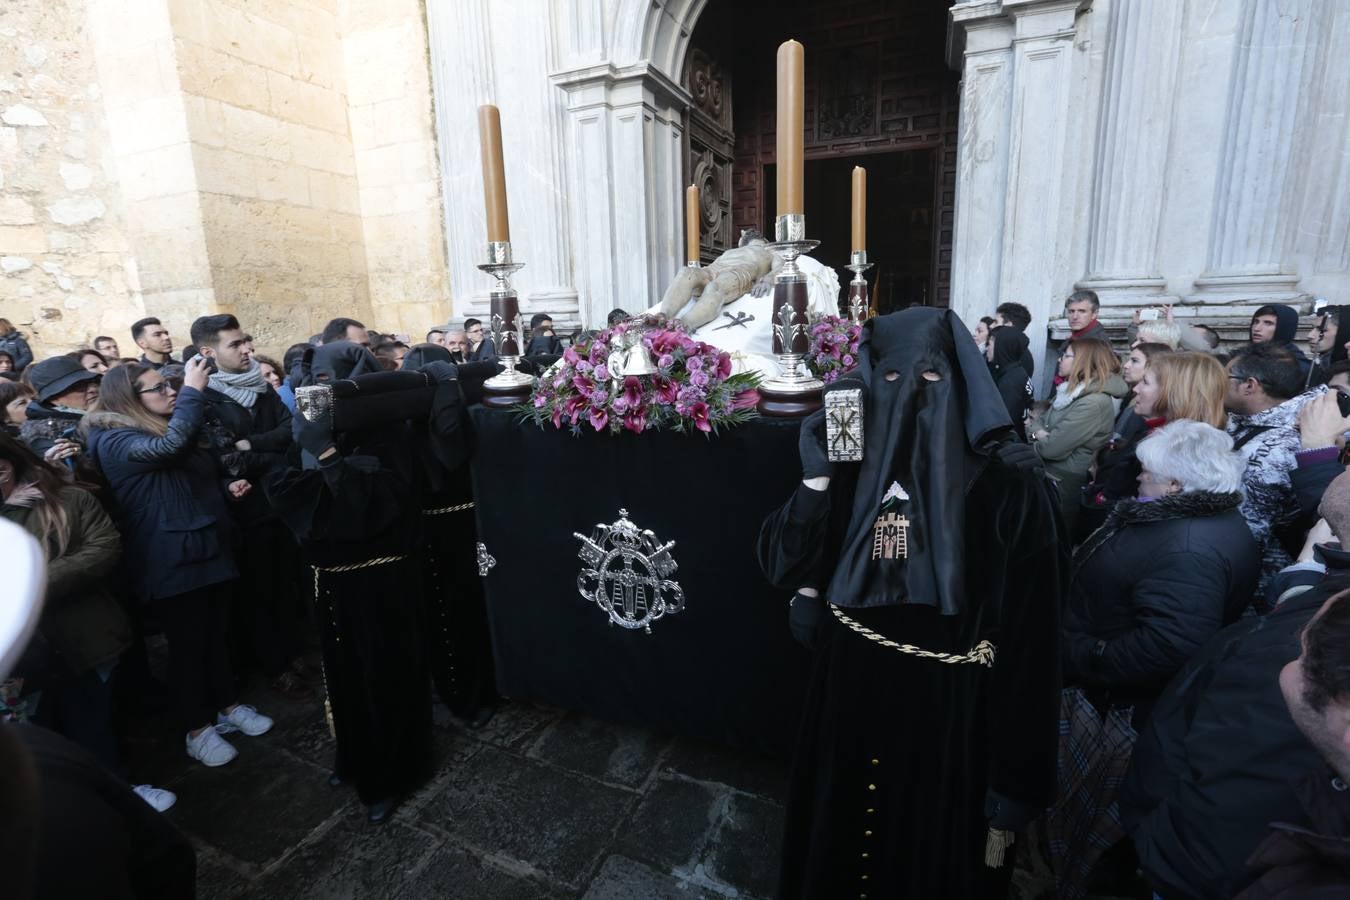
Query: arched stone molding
[(624, 146)]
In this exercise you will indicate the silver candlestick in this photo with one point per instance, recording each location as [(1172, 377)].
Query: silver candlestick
[(795, 391), (858, 299), (508, 387)]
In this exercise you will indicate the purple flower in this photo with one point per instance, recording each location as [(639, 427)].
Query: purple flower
[(693, 364), (602, 372), (599, 396), (665, 362), (540, 401), (599, 419), (699, 379)]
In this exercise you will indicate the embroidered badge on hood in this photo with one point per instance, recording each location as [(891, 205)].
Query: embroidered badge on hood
[(890, 534)]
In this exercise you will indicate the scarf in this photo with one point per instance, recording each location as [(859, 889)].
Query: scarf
[(243, 387), (1063, 398)]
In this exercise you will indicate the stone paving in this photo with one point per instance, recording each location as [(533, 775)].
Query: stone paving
[(540, 803)]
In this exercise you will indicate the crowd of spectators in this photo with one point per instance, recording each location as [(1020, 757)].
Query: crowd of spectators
[(1205, 500)]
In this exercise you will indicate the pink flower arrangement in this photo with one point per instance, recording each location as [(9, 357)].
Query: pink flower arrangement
[(834, 347), (693, 388)]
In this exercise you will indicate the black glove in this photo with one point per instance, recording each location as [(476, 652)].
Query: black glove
[(1017, 455), (441, 371), (1007, 814), (804, 618), (315, 437), (811, 447)]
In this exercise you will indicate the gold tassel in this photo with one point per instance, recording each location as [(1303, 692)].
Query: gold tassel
[(996, 847)]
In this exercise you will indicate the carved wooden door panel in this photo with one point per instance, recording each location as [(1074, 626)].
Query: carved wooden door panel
[(711, 149)]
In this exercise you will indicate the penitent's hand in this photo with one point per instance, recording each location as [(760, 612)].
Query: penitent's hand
[(811, 447)]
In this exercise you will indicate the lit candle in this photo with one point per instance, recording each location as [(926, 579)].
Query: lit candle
[(494, 173), (691, 213), (859, 208), (791, 109)]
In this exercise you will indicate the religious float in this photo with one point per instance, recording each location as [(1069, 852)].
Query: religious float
[(620, 489)]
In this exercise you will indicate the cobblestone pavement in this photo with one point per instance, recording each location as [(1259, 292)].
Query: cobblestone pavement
[(540, 803)]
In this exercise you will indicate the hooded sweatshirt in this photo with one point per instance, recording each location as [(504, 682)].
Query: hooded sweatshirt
[(1286, 331)]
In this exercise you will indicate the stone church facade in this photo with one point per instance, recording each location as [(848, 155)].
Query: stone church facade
[(292, 160)]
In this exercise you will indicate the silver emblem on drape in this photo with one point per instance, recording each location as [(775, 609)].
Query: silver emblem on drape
[(628, 573)]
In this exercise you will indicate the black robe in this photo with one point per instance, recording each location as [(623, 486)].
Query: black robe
[(361, 509), (899, 755), (458, 644)]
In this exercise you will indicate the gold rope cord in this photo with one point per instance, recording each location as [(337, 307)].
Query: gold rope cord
[(352, 567), (448, 509), (982, 654)]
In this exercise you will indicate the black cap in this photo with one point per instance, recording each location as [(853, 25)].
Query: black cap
[(53, 377)]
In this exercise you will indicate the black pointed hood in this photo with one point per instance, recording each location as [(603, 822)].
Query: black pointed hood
[(932, 439), (335, 362)]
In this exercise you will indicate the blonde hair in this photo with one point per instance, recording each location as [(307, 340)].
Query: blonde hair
[(118, 394), (1190, 386), (1094, 362), (1160, 331)]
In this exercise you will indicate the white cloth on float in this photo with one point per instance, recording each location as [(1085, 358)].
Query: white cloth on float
[(751, 344)]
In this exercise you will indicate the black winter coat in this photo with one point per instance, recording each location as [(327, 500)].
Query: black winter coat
[(1220, 758), (176, 527), (1152, 585), (267, 427)]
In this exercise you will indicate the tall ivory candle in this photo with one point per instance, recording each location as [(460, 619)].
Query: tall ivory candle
[(494, 173), (691, 223), (791, 112), (859, 208)]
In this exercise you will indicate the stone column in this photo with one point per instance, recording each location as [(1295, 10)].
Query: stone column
[(1142, 55), (462, 79), (502, 52), (1017, 57), (625, 131), (1247, 258), (981, 159)]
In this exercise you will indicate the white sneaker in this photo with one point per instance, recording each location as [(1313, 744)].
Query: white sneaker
[(210, 749), (243, 718), (158, 798)]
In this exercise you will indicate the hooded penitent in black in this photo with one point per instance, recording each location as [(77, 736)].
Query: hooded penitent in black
[(1010, 375), (928, 437), (459, 646), (902, 758), (357, 519)]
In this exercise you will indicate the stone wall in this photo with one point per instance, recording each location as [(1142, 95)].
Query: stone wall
[(264, 92), (183, 157), (390, 108), (67, 272)]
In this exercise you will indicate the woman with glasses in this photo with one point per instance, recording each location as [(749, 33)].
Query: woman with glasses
[(1079, 420), (179, 540)]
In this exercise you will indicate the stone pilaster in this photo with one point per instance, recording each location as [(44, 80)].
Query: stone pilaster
[(1247, 259), (1133, 134)]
